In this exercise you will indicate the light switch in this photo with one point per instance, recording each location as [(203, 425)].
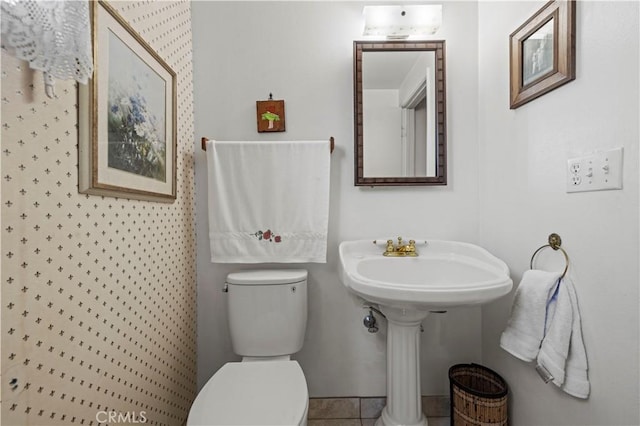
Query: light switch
[(595, 172)]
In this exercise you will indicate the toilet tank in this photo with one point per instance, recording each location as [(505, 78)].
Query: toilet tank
[(267, 311)]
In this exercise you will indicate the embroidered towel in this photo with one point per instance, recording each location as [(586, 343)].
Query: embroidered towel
[(268, 201), (562, 353), (525, 330)]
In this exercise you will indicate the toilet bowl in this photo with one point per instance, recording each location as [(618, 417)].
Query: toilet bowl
[(257, 393), (267, 320)]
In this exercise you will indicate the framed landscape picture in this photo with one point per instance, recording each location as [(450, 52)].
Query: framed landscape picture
[(127, 115), (542, 52)]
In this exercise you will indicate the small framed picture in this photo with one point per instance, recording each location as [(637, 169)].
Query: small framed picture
[(270, 116), (542, 52), (127, 115)]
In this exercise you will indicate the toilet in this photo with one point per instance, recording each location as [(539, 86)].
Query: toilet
[(267, 313)]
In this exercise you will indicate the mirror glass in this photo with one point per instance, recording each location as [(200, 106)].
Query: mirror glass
[(400, 113)]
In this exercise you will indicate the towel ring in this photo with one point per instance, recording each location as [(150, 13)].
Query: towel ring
[(555, 243)]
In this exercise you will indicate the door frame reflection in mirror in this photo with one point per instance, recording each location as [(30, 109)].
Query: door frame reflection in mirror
[(439, 177)]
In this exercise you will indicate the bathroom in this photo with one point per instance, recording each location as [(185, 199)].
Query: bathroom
[(113, 304)]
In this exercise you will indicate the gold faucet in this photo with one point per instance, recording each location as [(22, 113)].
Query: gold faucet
[(401, 249)]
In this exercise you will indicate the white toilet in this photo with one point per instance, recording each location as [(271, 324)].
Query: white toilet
[(267, 320)]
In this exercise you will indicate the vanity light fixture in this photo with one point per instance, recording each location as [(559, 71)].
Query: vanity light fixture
[(399, 22)]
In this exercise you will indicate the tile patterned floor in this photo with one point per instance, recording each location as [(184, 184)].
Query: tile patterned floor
[(433, 421), (365, 411)]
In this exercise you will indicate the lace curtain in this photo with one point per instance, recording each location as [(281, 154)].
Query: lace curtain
[(54, 36)]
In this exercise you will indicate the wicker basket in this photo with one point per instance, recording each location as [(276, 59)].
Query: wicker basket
[(478, 396)]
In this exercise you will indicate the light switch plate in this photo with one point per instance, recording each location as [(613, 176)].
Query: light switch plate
[(598, 171)]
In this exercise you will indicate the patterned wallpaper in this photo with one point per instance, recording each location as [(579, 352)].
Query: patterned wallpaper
[(98, 293)]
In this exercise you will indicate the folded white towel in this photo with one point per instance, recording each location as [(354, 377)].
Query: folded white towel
[(268, 201), (525, 329), (562, 353)]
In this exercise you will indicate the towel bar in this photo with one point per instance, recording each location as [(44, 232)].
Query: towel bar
[(331, 143), (555, 243)]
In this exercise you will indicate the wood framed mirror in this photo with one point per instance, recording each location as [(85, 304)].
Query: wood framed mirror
[(400, 113)]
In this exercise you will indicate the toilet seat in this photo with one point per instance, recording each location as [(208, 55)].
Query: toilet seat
[(253, 393)]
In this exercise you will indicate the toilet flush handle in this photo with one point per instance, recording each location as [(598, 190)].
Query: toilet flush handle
[(225, 289)]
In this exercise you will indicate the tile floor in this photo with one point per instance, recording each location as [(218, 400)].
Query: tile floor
[(433, 421), (365, 411)]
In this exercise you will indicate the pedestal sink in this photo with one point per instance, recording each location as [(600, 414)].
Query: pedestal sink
[(445, 274)]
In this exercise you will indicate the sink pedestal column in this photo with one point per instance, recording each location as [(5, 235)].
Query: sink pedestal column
[(404, 399)]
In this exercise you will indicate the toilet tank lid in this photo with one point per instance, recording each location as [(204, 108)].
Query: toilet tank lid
[(267, 277)]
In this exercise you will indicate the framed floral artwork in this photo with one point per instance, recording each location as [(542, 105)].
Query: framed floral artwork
[(127, 115), (543, 52)]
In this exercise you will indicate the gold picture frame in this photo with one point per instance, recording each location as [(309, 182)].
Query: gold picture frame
[(542, 52), (127, 115)]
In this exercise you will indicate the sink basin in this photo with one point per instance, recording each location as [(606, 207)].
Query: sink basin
[(445, 274)]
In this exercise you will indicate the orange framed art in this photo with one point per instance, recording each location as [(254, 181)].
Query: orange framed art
[(270, 116)]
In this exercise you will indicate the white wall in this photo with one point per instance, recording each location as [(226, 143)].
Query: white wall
[(302, 53), (523, 156)]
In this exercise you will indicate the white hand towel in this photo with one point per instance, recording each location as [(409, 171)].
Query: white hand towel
[(525, 329), (268, 201), (562, 353)]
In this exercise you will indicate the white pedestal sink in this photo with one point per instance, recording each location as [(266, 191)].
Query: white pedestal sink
[(445, 274)]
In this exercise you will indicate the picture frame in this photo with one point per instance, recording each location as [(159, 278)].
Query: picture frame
[(270, 116), (127, 115), (542, 52)]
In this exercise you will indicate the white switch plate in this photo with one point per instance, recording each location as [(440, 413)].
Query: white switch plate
[(595, 172)]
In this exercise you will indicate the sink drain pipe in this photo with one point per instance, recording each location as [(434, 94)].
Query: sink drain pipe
[(370, 321)]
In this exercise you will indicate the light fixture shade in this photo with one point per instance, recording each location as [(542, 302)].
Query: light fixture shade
[(402, 21)]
